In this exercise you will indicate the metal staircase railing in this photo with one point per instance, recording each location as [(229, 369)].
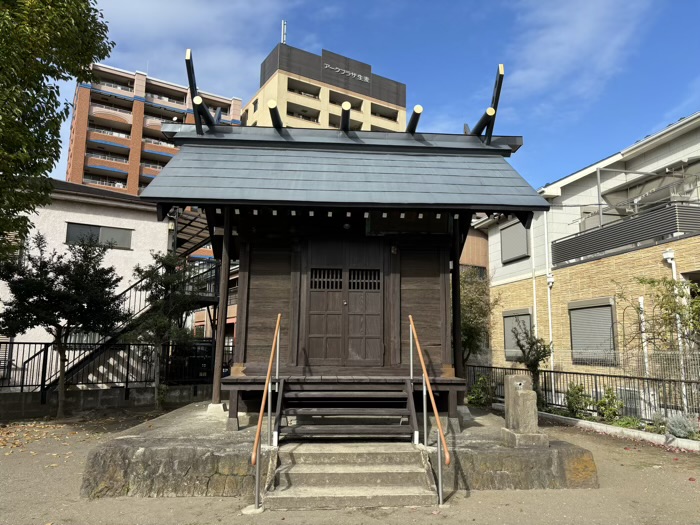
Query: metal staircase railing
[(135, 301), (427, 388)]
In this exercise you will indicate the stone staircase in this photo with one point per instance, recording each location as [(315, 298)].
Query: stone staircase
[(325, 475)]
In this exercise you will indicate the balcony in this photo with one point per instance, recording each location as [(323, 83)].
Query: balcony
[(112, 87), (162, 143), (110, 140), (645, 229), (150, 170), (154, 122), (165, 100), (110, 112), (101, 180), (109, 131)]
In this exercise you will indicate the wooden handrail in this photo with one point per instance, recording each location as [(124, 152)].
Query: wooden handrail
[(430, 393), (254, 456)]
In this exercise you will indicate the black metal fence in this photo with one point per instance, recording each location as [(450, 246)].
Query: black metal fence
[(642, 397), (122, 365)]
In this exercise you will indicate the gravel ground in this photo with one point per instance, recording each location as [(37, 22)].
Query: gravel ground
[(41, 466)]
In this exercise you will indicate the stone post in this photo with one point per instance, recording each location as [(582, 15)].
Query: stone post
[(521, 414)]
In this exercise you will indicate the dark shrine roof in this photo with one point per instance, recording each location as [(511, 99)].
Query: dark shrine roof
[(254, 165)]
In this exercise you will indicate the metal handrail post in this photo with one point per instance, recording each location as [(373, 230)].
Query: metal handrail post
[(277, 364), (425, 414), (439, 462), (257, 479), (411, 354), (269, 414)]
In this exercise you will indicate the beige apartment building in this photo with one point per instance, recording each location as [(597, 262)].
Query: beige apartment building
[(115, 139), (309, 90), (572, 277)]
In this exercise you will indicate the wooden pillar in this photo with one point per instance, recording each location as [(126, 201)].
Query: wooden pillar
[(456, 305), (222, 310)]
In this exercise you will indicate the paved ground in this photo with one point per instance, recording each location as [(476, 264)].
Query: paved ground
[(41, 466)]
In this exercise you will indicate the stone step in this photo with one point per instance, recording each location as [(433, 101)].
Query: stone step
[(343, 475), (298, 498), (363, 395), (345, 411), (344, 453), (347, 430)]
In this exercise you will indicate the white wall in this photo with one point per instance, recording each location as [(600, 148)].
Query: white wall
[(522, 268), (148, 235)]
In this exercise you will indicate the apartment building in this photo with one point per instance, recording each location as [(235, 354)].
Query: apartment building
[(633, 214), (115, 139), (309, 90)]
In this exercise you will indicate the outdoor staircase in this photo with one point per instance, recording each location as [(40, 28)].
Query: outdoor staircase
[(325, 475), (348, 444), (134, 301), (377, 409)]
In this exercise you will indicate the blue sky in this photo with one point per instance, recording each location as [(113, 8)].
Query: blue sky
[(584, 78)]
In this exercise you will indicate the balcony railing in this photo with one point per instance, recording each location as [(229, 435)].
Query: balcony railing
[(302, 117), (153, 117), (115, 86), (104, 181), (113, 108), (106, 131), (165, 98), (152, 166), (104, 156), (663, 222), (149, 140)]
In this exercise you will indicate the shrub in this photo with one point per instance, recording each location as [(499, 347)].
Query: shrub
[(481, 393), (682, 426), (610, 407), (577, 401), (658, 423), (630, 422)]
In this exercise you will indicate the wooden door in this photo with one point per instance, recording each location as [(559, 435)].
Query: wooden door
[(345, 304), (325, 319)]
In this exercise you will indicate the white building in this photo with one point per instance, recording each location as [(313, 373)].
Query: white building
[(77, 210), (609, 223)]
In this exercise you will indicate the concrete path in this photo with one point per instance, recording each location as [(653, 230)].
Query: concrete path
[(41, 466)]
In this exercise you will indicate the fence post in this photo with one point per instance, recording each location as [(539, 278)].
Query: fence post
[(128, 367), (44, 365)]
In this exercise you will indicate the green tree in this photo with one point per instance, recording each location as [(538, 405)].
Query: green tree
[(172, 294), (62, 293), (477, 303), (41, 42), (534, 350)]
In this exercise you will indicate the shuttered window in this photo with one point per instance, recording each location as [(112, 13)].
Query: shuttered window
[(514, 242), (593, 332), (513, 319)]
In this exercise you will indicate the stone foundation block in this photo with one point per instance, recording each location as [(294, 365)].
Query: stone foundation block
[(521, 440)]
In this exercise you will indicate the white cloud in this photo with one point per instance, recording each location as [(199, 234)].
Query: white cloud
[(568, 51)]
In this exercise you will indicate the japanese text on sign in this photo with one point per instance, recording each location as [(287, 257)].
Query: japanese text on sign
[(350, 74)]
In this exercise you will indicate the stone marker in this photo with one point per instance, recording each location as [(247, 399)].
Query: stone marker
[(521, 414)]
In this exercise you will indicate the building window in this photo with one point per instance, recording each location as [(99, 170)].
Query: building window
[(514, 319), (255, 105), (199, 331), (515, 243), (119, 238), (593, 332)]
